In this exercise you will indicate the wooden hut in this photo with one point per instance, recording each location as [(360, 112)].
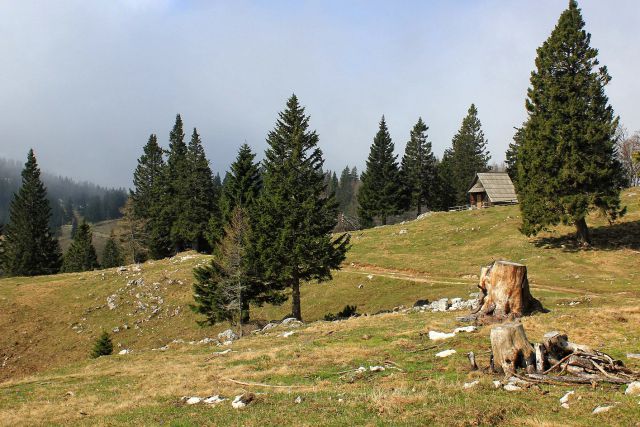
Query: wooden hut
[(492, 188)]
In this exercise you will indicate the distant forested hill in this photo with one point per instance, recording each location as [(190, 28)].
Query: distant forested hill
[(93, 202)]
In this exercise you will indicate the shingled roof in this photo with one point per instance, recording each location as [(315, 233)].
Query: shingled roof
[(497, 185)]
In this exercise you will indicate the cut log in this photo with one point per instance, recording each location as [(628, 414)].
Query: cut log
[(511, 349), (559, 344), (505, 291)]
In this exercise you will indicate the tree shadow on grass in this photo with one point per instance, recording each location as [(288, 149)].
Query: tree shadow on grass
[(622, 235)]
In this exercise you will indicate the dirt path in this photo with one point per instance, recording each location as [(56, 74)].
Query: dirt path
[(420, 277)]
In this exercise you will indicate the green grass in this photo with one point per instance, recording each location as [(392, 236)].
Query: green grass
[(45, 357)]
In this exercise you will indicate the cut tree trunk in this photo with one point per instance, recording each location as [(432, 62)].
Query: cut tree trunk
[(511, 349), (505, 291), (582, 232)]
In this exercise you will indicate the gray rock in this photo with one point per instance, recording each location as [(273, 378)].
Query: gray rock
[(291, 322), (228, 335), (269, 326), (440, 305), (421, 303)]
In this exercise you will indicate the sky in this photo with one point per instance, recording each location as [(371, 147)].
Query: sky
[(85, 82)]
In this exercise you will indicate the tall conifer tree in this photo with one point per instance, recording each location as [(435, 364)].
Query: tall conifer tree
[(241, 188), (148, 198), (200, 202), (380, 195), (29, 246), (81, 255), (292, 232), (566, 162), (177, 192), (418, 169), (467, 156), (112, 254)]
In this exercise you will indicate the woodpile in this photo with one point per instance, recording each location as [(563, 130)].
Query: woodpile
[(555, 360), (505, 293)]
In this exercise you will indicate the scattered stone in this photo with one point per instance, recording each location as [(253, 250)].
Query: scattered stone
[(121, 269), (291, 322), (243, 400), (423, 216), (421, 303), (193, 400), (601, 409), (564, 400), (269, 326), (633, 389), (124, 351), (223, 352), (115, 330), (497, 384), (212, 400), (512, 387), (403, 231), (440, 305), (227, 335), (376, 368), (370, 277), (111, 301), (163, 348), (298, 400), (633, 355), (206, 341), (437, 336), (361, 369), (287, 334), (470, 384), (445, 353), (227, 342), (360, 286)]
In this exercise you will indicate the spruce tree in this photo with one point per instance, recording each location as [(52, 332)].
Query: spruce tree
[(177, 192), (511, 156), (149, 197), (112, 255), (241, 188), (29, 246), (418, 169), (148, 179), (103, 346), (226, 287), (467, 156), (380, 195), (81, 254), (200, 202), (292, 231), (566, 162)]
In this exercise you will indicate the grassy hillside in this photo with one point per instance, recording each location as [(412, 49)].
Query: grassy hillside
[(49, 324)]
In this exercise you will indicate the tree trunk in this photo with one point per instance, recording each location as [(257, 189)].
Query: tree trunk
[(511, 349), (582, 232), (505, 291), (295, 298)]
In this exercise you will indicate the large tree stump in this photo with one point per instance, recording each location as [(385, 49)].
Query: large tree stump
[(505, 291), (511, 349)]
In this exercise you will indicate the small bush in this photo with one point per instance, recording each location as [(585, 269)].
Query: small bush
[(347, 312), (103, 346)]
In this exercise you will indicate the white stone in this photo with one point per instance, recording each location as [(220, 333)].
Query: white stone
[(470, 384), (565, 398), (512, 387), (220, 353), (212, 400), (445, 353), (633, 355), (403, 231), (564, 405), (287, 334), (228, 335), (238, 403), (269, 326), (601, 409), (497, 384), (124, 351), (376, 368), (465, 329), (437, 336), (370, 276), (111, 301), (361, 369), (633, 389), (193, 400), (291, 322), (298, 400), (440, 305)]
